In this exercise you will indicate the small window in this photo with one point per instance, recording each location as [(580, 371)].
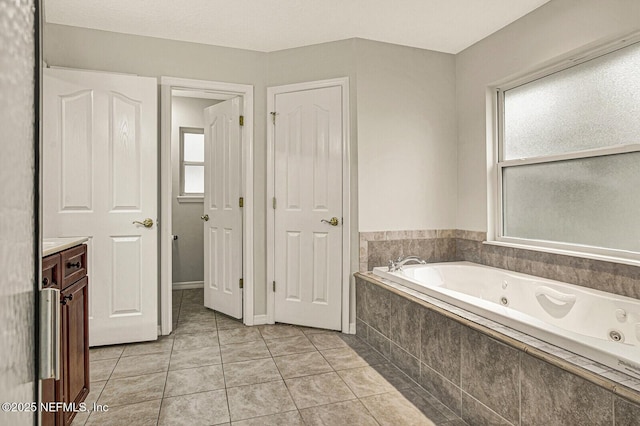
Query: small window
[(191, 161), (569, 157)]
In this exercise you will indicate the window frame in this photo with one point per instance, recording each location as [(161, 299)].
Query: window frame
[(191, 196), (497, 164)]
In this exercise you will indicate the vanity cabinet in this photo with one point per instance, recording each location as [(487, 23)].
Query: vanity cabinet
[(67, 271)]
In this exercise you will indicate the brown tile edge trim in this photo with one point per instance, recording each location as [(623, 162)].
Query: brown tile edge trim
[(590, 376)]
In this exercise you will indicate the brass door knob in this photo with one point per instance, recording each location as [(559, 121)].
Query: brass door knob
[(333, 221), (147, 223), (205, 217)]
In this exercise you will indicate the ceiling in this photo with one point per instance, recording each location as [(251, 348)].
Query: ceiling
[(269, 25)]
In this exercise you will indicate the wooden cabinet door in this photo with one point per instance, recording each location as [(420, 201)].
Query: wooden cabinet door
[(51, 393), (75, 344), (51, 388)]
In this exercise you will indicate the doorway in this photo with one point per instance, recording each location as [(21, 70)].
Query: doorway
[(308, 228), (99, 145), (183, 203)]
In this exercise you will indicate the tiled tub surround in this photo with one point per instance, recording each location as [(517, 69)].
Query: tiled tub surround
[(446, 245), (575, 318), (485, 372), (377, 248)]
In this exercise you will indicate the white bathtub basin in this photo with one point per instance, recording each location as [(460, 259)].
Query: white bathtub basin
[(601, 326)]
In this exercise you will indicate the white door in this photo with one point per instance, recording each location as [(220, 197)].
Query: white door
[(222, 213), (99, 176), (308, 192)]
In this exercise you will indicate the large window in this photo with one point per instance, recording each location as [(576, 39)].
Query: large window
[(569, 157), (191, 161)]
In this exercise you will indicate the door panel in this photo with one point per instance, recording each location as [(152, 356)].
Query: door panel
[(76, 139), (223, 230), (308, 189), (124, 157), (100, 175), (125, 294)]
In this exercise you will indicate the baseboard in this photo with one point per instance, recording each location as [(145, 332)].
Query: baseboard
[(352, 328), (187, 285), (259, 319)]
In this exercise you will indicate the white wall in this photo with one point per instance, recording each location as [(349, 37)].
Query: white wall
[(556, 28), (406, 138), (17, 216), (188, 249)]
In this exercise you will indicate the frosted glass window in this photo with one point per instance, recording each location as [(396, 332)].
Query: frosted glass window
[(194, 147), (591, 201), (594, 104), (569, 157), (191, 161), (193, 179)]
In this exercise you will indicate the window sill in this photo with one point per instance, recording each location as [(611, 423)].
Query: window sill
[(190, 198), (566, 252)]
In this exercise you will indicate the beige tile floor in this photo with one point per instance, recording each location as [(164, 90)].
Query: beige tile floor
[(213, 370)]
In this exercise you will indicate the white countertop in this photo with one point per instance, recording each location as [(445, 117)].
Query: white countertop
[(55, 245)]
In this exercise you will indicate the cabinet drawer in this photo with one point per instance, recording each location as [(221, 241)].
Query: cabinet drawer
[(51, 271), (73, 265)]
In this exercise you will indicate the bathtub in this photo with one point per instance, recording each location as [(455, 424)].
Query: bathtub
[(601, 326)]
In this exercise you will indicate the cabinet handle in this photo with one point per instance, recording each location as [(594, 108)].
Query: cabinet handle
[(45, 281), (73, 265), (65, 298), (49, 334)]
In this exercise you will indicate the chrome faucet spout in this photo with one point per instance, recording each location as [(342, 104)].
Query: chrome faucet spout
[(401, 261)]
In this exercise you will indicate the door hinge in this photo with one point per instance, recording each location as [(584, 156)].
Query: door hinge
[(274, 286), (242, 120), (241, 283), (274, 203), (241, 202), (273, 116)]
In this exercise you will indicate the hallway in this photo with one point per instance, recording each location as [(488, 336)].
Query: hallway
[(213, 370)]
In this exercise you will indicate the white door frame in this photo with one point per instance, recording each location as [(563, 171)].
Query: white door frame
[(166, 239), (342, 82)]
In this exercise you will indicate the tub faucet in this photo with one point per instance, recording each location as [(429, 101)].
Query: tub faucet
[(396, 265)]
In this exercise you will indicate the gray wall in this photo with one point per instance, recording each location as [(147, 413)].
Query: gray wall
[(106, 51), (321, 62), (407, 138), (401, 107), (17, 243), (418, 118), (188, 249), (382, 77), (554, 29)]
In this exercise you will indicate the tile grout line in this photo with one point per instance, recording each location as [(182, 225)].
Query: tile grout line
[(184, 302), (224, 376), (166, 377), (416, 383), (286, 385)]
